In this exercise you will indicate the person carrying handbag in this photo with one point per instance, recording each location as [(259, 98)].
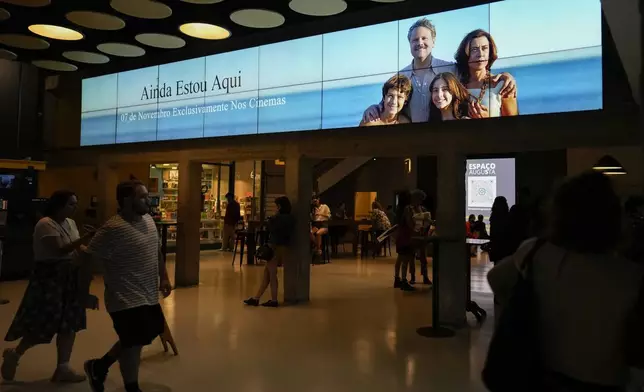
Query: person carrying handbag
[(572, 311)]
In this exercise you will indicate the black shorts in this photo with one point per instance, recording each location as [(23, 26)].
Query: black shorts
[(320, 225), (138, 326)]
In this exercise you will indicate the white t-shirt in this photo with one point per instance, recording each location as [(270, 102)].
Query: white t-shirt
[(47, 227), (322, 213), (129, 252)]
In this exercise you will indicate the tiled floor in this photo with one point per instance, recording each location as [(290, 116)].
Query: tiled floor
[(357, 334)]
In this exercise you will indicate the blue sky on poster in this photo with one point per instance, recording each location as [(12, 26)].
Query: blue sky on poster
[(523, 29)]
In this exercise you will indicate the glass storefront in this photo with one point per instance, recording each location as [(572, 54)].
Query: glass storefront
[(217, 180)]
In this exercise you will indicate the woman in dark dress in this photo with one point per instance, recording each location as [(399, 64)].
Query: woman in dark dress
[(53, 304), (501, 239)]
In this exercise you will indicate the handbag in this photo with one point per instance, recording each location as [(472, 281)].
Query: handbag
[(264, 252), (513, 361)]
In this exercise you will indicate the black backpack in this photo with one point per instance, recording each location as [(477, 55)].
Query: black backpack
[(514, 360)]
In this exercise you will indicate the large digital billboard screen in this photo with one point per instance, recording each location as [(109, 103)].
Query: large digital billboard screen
[(512, 57)]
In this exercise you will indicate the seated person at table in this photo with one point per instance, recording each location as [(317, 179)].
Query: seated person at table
[(340, 213), (481, 229), (320, 223), (395, 97), (379, 218), (469, 227)]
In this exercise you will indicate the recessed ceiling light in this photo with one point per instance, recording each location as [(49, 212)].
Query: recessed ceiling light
[(121, 50), (7, 55), (86, 57), (23, 41), (95, 20), (144, 9), (56, 32), (4, 14), (204, 31), (28, 3), (317, 7), (257, 18), (54, 65), (202, 1), (163, 41)]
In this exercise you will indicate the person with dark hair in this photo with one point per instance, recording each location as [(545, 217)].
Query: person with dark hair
[(396, 93), (587, 337), (380, 222), (320, 216), (128, 247), (480, 228), (469, 226), (422, 225), (404, 247), (450, 99), (280, 228), (232, 217), (501, 239), (475, 56), (424, 66), (53, 303)]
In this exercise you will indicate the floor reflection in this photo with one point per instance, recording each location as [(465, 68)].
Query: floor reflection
[(356, 334)]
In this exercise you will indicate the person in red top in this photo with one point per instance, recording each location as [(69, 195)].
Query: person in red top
[(233, 215)]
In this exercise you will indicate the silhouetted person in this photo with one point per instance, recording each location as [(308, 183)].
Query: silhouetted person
[(521, 219), (232, 217), (501, 239), (590, 301), (480, 228)]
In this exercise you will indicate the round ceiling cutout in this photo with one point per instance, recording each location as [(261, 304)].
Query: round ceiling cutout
[(204, 31), (23, 41), (7, 55), (56, 32), (144, 9), (317, 7), (54, 65), (86, 57), (121, 50), (257, 18), (202, 1), (163, 41), (95, 20), (4, 14), (28, 3)]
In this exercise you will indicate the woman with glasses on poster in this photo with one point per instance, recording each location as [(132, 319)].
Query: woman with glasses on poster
[(396, 93), (450, 99), (474, 59)]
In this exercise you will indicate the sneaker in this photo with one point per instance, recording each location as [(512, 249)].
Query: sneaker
[(9, 364), (95, 377), (252, 302), (65, 375), (397, 283), (405, 286), (271, 304)]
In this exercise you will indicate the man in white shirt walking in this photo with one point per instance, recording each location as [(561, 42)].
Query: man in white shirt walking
[(128, 246)]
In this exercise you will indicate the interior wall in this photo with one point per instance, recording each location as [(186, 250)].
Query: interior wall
[(385, 176), (83, 181), (631, 157)]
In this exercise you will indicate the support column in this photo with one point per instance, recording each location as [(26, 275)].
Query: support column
[(107, 178), (188, 224), (450, 215), (297, 269)]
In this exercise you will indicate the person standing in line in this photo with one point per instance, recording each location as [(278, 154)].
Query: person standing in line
[(232, 217), (587, 337), (501, 240), (280, 229), (53, 303), (128, 246)]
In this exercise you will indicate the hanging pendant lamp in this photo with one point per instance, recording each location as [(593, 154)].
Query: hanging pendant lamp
[(609, 166)]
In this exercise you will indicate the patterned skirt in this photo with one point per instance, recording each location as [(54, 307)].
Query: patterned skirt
[(52, 304)]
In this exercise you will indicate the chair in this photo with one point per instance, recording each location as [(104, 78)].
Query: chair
[(240, 236)]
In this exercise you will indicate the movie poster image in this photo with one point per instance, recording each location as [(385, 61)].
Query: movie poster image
[(493, 60)]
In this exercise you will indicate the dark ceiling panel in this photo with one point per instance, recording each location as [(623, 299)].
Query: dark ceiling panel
[(358, 13)]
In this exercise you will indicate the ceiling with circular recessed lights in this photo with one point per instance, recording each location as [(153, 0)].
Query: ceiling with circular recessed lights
[(116, 35)]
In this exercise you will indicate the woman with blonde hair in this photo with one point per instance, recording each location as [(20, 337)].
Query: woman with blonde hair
[(450, 99)]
